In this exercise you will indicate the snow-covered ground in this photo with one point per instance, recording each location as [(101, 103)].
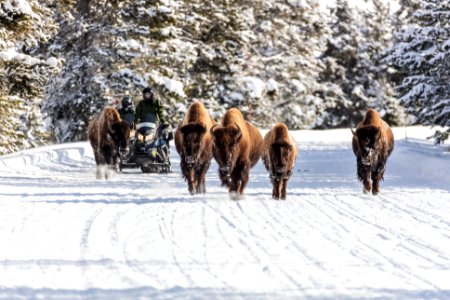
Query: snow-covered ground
[(65, 235)]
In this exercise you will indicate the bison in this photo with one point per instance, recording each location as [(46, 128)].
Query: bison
[(372, 144), (279, 156), (237, 147), (108, 134), (194, 145)]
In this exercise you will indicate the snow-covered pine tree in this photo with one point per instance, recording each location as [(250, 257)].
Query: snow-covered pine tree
[(259, 56), (378, 39), (344, 98), (163, 52), (78, 91), (24, 72), (280, 67), (355, 76), (401, 19), (113, 52), (404, 14), (421, 54)]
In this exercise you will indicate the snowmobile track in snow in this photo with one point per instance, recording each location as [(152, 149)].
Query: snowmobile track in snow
[(66, 235)]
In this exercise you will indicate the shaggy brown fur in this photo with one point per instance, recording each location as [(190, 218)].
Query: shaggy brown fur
[(107, 133), (372, 144), (194, 145), (279, 157), (237, 147)]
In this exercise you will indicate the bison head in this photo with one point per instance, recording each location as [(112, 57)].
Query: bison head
[(120, 133), (368, 140), (192, 141), (280, 157), (225, 143)]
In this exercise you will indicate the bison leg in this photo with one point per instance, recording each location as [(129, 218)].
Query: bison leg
[(100, 162), (243, 178), (276, 183), (283, 189), (377, 175), (189, 175), (240, 177), (367, 183), (224, 178), (364, 175), (201, 188), (191, 181), (117, 163), (110, 161), (233, 188), (98, 172), (375, 184)]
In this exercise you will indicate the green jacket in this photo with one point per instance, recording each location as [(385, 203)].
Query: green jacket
[(149, 111)]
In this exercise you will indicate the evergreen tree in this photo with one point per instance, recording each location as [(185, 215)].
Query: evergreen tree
[(215, 51), (342, 102), (378, 36), (421, 55), (78, 91), (110, 53), (24, 27), (281, 58), (355, 75)]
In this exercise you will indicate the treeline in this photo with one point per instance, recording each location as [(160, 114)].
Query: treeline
[(61, 62)]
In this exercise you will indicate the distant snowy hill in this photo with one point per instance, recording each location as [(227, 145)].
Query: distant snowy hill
[(66, 235)]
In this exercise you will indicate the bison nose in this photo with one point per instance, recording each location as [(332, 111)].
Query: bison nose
[(281, 169), (224, 169), (190, 159)]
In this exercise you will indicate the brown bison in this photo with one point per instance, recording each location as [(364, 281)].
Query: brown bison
[(280, 154), (372, 143), (237, 147), (108, 134), (194, 145)]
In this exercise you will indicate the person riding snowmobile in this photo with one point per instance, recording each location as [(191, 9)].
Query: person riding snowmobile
[(150, 110), (126, 112), (150, 149)]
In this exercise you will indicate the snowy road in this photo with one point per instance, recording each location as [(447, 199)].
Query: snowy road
[(66, 235)]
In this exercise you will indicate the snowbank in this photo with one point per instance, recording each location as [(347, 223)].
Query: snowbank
[(69, 236)]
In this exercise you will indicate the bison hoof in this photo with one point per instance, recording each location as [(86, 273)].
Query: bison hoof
[(235, 196), (366, 191), (375, 192)]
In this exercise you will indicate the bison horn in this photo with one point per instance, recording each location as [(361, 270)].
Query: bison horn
[(239, 131), (354, 133), (212, 129)]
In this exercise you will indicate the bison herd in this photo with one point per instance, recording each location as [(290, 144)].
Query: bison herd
[(237, 145)]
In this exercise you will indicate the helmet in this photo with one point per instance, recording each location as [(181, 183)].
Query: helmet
[(147, 90), (127, 102)]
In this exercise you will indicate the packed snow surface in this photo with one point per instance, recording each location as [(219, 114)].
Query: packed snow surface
[(66, 235)]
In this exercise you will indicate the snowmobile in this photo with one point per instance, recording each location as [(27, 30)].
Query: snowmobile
[(152, 153)]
